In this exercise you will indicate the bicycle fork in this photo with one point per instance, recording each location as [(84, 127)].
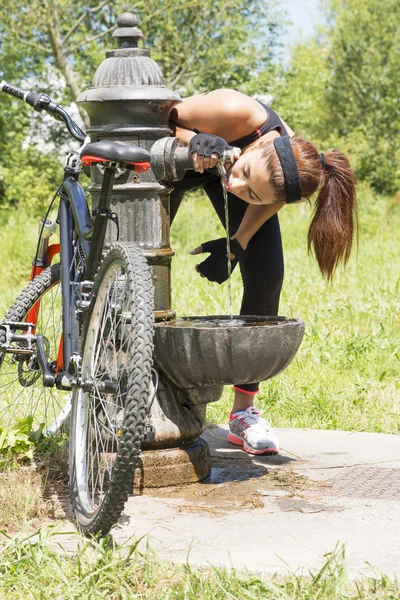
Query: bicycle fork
[(43, 259), (20, 338)]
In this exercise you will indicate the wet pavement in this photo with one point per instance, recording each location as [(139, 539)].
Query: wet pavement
[(282, 513)]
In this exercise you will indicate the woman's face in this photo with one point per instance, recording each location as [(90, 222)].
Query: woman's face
[(248, 178)]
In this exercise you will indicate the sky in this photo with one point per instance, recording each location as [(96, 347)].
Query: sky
[(305, 14)]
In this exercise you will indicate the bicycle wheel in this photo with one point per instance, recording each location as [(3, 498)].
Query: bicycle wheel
[(107, 426), (21, 384)]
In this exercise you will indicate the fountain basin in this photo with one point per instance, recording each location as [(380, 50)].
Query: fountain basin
[(202, 351)]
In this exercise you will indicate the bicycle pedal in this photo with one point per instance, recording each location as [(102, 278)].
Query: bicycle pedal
[(17, 343)]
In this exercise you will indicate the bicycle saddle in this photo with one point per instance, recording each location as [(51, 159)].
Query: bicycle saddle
[(107, 151)]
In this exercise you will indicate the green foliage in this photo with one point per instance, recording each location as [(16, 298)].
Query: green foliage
[(19, 442), (15, 443), (300, 95), (341, 88), (28, 176), (30, 185), (364, 59), (207, 44)]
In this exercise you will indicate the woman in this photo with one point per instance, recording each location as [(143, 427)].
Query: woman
[(271, 167)]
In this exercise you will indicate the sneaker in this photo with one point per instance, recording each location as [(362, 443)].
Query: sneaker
[(250, 430)]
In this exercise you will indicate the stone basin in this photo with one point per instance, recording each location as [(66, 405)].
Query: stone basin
[(203, 351)]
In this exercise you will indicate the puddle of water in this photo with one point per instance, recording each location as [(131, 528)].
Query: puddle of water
[(188, 322), (231, 486)]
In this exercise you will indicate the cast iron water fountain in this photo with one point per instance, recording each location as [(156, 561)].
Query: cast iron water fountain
[(196, 356)]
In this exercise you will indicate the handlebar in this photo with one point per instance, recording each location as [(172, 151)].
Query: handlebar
[(40, 102), (13, 90)]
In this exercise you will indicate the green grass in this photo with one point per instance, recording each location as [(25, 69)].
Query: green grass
[(345, 376), (37, 568), (346, 373), (22, 501), (18, 239)]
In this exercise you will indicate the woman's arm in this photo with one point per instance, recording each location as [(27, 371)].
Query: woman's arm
[(254, 218), (226, 113)]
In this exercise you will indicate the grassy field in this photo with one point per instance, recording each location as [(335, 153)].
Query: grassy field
[(346, 373), (36, 568), (345, 376)]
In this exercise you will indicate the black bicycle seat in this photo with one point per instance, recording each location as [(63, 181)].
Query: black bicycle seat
[(106, 150)]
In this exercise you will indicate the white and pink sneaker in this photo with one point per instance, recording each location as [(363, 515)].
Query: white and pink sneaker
[(250, 430)]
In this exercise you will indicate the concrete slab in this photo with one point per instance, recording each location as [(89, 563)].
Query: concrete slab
[(276, 514), (271, 514)]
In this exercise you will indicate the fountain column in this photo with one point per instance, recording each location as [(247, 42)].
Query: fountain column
[(129, 103)]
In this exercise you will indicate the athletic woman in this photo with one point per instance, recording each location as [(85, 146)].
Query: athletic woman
[(271, 167)]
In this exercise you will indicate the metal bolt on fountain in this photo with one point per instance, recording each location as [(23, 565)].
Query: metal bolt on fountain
[(194, 357)]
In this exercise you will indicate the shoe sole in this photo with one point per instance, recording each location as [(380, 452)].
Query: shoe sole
[(234, 439)]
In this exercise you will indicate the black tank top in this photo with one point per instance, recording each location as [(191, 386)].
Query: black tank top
[(272, 123)]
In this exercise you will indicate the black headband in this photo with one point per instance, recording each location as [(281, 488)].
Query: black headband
[(289, 168)]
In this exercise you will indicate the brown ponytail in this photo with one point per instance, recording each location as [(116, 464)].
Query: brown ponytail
[(335, 215), (334, 220)]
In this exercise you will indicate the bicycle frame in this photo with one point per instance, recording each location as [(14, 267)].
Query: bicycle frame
[(76, 223), (81, 236)]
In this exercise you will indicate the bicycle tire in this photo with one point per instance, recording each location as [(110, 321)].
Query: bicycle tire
[(21, 384), (107, 428)]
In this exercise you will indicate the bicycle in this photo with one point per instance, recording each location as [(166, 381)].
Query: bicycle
[(77, 343)]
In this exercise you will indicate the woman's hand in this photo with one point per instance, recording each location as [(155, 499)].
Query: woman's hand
[(206, 150), (215, 267)]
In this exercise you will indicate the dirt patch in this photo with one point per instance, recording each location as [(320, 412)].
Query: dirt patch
[(234, 485)]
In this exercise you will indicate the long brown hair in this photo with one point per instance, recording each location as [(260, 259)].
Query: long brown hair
[(334, 220)]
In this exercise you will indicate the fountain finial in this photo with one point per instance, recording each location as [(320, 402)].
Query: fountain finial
[(127, 33)]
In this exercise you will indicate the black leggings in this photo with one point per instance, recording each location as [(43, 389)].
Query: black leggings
[(262, 268)]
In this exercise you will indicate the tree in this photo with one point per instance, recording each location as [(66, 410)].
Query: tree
[(207, 44), (300, 94), (364, 60), (52, 33), (199, 44), (341, 88)]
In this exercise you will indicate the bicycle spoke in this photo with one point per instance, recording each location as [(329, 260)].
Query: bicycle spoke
[(110, 356), (21, 381)]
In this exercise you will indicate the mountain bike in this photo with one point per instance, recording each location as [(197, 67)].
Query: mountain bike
[(77, 343)]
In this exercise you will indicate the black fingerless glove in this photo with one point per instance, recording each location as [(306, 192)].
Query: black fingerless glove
[(207, 144), (215, 267)]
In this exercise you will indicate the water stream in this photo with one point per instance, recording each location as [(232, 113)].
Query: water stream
[(222, 172)]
